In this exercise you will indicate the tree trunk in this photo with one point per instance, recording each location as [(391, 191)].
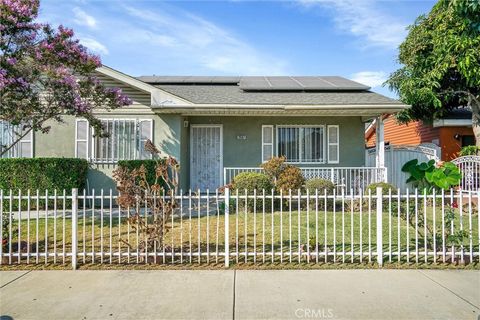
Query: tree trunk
[(476, 131), (475, 106)]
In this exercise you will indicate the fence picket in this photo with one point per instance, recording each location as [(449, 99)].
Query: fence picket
[(470, 231), (74, 228), (19, 232), (297, 234)]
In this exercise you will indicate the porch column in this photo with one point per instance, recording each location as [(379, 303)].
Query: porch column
[(380, 143)]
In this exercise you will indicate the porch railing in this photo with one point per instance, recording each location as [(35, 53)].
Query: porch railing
[(348, 178)]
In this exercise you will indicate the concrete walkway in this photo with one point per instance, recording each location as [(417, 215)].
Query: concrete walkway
[(230, 294)]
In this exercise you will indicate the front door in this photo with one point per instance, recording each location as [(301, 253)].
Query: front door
[(205, 157)]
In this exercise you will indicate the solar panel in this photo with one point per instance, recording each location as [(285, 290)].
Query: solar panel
[(261, 83), (285, 83), (190, 79)]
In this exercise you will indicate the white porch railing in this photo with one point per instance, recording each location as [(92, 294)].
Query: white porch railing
[(355, 178)]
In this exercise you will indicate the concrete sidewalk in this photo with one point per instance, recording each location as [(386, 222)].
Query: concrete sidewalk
[(241, 294)]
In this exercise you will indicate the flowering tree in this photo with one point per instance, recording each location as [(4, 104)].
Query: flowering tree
[(45, 73)]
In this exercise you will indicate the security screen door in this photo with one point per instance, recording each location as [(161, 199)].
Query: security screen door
[(205, 157)]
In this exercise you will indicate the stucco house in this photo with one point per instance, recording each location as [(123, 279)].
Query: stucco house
[(217, 126)]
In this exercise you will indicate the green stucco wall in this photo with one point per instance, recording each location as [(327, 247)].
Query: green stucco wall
[(60, 142), (172, 138), (248, 153)]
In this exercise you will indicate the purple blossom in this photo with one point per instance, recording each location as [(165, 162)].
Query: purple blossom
[(11, 61), (118, 96), (52, 57)]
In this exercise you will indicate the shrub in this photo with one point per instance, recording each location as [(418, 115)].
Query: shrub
[(150, 166), (429, 175), (136, 164), (135, 189), (252, 181), (319, 184), (274, 167), (470, 151), (385, 188), (290, 178), (385, 191), (43, 173)]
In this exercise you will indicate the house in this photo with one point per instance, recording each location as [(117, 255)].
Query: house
[(216, 126), (450, 133)]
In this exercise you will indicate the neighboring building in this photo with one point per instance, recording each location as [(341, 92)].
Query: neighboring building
[(450, 134), (213, 123)]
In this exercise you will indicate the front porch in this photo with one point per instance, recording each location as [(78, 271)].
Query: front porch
[(216, 149), (348, 180)]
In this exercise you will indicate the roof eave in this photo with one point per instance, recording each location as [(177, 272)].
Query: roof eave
[(370, 110)]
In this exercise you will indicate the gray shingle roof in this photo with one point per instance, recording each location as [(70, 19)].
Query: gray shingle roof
[(232, 94)]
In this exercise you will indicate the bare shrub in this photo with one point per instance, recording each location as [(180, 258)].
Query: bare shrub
[(157, 199)]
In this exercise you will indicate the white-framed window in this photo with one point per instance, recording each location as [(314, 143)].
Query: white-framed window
[(8, 134), (125, 141), (81, 138), (301, 144), (333, 143), (267, 142)]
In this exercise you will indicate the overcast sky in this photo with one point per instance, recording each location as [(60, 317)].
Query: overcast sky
[(357, 39)]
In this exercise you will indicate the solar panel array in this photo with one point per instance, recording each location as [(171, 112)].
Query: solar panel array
[(261, 83), (190, 79), (325, 83)]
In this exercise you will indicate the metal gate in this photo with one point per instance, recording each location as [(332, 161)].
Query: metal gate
[(397, 156)]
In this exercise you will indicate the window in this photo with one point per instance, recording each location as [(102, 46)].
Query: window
[(267, 143), (468, 140), (8, 134), (301, 143), (333, 145), (125, 141)]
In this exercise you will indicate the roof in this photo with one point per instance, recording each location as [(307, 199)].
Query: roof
[(227, 94), (265, 83), (459, 113), (325, 90)]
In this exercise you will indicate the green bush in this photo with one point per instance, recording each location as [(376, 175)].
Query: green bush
[(43, 173), (470, 151), (252, 181), (430, 176), (385, 191), (385, 188), (321, 185)]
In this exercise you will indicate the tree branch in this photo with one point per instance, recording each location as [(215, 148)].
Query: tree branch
[(5, 150)]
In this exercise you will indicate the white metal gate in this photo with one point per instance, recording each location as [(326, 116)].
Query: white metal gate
[(397, 156), (206, 157), (470, 168)]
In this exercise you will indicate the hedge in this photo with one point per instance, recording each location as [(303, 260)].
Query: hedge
[(43, 173)]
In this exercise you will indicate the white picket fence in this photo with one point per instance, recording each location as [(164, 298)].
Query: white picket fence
[(236, 227), (346, 178)]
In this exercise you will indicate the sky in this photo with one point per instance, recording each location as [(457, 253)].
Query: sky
[(356, 39)]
